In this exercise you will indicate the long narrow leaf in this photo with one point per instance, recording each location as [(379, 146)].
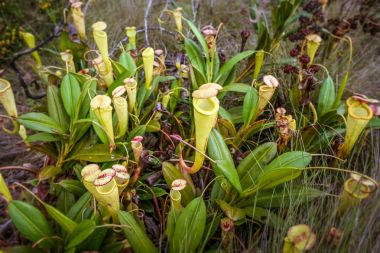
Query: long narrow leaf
[(218, 151), (137, 238), (31, 223), (70, 92)]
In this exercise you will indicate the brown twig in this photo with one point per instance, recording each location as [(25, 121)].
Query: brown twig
[(18, 168)]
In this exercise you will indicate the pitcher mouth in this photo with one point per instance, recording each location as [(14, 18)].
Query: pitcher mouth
[(356, 189), (206, 106), (99, 26), (90, 172), (362, 112), (4, 85), (266, 88)]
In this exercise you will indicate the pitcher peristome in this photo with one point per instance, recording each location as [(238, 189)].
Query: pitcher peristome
[(148, 60), (356, 189), (78, 18), (89, 174), (122, 177), (101, 106), (67, 57)]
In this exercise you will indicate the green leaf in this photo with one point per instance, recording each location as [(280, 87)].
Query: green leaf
[(219, 152), (190, 227), (70, 92), (171, 223), (195, 57), (199, 36), (263, 37), (44, 137), (282, 169), (137, 131), (31, 223), (232, 212), (88, 89), (271, 178), (65, 222), (73, 186), (283, 196), (55, 107), (96, 125), (264, 216), (80, 233), (374, 123), (326, 96), (237, 87), (97, 153), (137, 238), (126, 60), (118, 68), (76, 211), (143, 94), (145, 194), (296, 159), (223, 113), (228, 66), (252, 165), (250, 106), (49, 172), (40, 122), (64, 201)]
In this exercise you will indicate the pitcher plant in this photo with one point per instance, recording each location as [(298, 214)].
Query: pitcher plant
[(148, 60), (358, 116), (101, 106), (355, 189), (100, 37), (78, 18), (107, 192), (266, 91), (312, 44), (130, 85), (7, 99), (30, 41), (121, 109), (121, 177), (300, 238), (206, 107)]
